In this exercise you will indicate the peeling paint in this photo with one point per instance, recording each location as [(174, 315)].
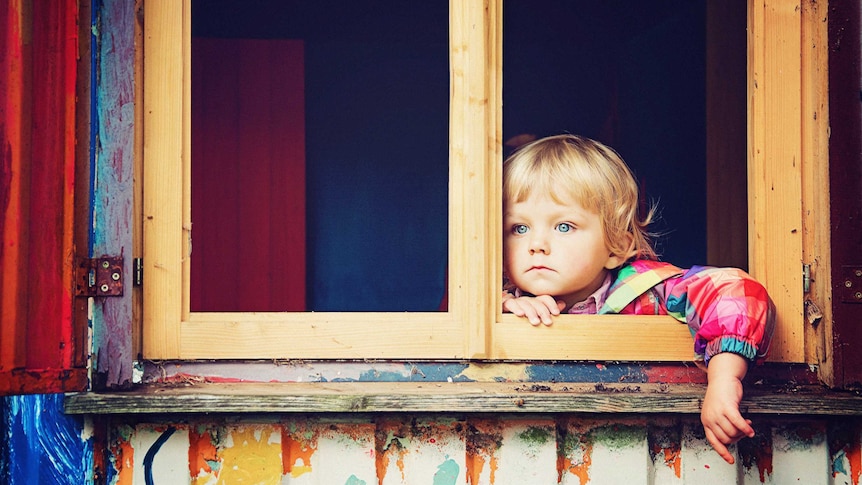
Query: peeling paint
[(757, 452), (665, 447), (575, 454), (484, 438), (203, 455), (296, 451)]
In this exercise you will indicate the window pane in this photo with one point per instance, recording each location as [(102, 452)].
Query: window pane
[(325, 190), (631, 75)]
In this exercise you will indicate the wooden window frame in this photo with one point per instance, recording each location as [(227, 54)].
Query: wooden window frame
[(782, 142)]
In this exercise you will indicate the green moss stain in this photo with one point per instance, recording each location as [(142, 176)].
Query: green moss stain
[(616, 436), (535, 435)]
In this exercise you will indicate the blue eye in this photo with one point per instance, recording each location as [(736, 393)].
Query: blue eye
[(564, 227), (519, 229)]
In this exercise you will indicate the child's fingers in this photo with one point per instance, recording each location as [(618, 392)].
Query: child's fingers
[(719, 447)]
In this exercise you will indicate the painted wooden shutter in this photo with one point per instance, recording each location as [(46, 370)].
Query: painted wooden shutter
[(39, 348)]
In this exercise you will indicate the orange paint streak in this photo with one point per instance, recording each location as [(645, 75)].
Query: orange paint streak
[(673, 459), (854, 457), (202, 452), (475, 464), (296, 449), (581, 469), (383, 459), (381, 463), (123, 455)]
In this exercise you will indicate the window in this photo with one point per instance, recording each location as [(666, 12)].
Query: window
[(473, 326)]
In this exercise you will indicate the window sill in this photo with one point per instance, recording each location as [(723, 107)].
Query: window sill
[(452, 397)]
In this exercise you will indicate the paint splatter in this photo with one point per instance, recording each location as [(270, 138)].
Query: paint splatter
[(252, 455), (352, 480), (203, 455), (43, 445), (447, 473), (296, 451)]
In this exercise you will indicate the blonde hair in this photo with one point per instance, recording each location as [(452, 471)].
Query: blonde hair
[(570, 167)]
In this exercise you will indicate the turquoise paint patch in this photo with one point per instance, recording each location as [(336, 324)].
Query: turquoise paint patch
[(447, 473), (838, 460), (352, 480)]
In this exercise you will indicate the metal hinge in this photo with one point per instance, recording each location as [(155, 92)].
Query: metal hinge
[(851, 284), (138, 269), (99, 276)]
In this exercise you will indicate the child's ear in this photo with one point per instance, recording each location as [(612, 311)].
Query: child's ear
[(616, 260)]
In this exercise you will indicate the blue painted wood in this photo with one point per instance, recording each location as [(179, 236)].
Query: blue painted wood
[(42, 445), (112, 199)]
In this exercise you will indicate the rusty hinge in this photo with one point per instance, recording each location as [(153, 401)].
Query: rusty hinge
[(851, 284), (99, 277)]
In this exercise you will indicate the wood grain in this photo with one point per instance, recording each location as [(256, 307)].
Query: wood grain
[(452, 397)]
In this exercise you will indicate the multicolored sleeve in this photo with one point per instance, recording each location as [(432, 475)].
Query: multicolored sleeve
[(725, 309)]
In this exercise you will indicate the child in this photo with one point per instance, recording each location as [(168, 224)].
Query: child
[(573, 243)]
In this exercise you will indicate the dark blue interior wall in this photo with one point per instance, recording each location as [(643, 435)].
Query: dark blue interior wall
[(377, 165), (630, 74)]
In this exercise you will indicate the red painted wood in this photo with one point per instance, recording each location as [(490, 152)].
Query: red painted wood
[(37, 156), (248, 175)]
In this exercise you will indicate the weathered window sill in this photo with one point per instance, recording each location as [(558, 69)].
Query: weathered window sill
[(452, 397)]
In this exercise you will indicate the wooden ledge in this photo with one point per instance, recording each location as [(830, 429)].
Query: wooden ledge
[(448, 397)]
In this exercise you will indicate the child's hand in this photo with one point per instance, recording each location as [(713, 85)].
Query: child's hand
[(537, 309), (722, 421)]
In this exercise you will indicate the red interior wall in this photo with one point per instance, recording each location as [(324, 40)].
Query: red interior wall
[(248, 175)]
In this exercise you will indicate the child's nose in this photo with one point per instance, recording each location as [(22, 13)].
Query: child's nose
[(539, 244)]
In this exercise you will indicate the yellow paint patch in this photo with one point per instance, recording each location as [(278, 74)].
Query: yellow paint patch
[(253, 457), (495, 372)]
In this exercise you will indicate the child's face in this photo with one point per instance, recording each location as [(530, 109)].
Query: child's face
[(555, 249)]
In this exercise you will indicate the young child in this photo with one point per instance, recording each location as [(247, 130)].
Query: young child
[(573, 243)]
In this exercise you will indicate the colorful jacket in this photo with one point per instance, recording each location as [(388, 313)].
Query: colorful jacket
[(725, 308)]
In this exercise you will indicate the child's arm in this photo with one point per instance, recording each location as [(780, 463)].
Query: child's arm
[(733, 320), (537, 309), (722, 421)]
